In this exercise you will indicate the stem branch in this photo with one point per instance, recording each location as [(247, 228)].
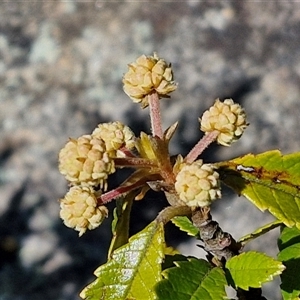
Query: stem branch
[(154, 107), (220, 246), (218, 243), (119, 191), (201, 146), (170, 212)]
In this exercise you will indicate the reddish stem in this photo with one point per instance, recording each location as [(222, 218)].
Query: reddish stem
[(167, 174), (119, 191), (154, 107), (201, 146)]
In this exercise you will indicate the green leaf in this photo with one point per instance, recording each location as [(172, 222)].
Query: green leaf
[(186, 225), (120, 223), (252, 269), (191, 280), (269, 180), (259, 232), (171, 260), (289, 244), (133, 270), (288, 237)]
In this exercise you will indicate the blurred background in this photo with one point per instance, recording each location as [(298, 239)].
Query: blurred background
[(61, 65)]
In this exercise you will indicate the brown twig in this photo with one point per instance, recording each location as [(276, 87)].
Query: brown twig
[(216, 242), (220, 246)]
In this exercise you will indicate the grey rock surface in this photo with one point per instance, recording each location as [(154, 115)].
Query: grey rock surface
[(61, 65)]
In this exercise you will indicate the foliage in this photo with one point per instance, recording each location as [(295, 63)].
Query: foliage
[(289, 246), (133, 269), (192, 279), (252, 269), (270, 180), (142, 266)]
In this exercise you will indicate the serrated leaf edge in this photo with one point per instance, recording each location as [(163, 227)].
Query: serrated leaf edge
[(270, 276), (155, 225), (184, 229)]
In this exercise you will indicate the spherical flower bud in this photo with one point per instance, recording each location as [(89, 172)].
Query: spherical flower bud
[(115, 135), (197, 184), (79, 209), (85, 161), (148, 74), (228, 118)]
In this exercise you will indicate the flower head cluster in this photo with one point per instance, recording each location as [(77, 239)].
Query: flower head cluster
[(85, 161), (115, 135), (79, 209), (146, 75), (228, 118), (197, 184)]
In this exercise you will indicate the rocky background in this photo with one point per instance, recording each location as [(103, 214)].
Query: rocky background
[(61, 64)]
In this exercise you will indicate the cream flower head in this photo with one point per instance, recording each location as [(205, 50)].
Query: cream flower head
[(79, 209), (85, 161), (228, 118), (115, 135), (148, 74), (197, 184)]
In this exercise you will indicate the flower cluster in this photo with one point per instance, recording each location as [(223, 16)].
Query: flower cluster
[(85, 161), (148, 74), (115, 136), (228, 118), (88, 161), (197, 184), (79, 209)]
